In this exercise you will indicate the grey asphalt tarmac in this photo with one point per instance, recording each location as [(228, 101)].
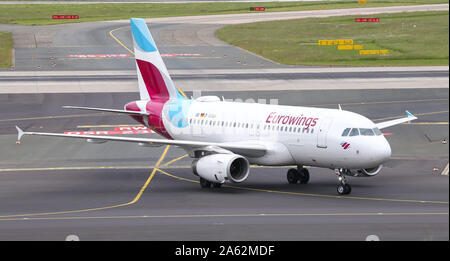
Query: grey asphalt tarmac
[(51, 188), (48, 48)]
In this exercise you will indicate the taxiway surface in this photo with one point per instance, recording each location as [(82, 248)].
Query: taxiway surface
[(52, 187)]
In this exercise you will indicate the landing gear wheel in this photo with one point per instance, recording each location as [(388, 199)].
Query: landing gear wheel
[(293, 176), (217, 185), (344, 189), (303, 176), (204, 183)]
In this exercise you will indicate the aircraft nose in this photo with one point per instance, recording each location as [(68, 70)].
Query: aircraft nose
[(380, 151), (383, 152)]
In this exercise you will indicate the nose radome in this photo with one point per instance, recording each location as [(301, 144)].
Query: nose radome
[(380, 151), (385, 151)]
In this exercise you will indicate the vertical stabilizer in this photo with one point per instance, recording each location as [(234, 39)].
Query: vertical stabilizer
[(154, 79)]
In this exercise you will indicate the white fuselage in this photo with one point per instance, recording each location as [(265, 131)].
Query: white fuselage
[(293, 135)]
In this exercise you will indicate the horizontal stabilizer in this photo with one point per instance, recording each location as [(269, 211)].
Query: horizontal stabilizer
[(137, 113)]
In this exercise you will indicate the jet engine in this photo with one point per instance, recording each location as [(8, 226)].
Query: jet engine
[(220, 168)]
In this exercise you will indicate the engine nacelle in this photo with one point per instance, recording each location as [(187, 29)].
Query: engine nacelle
[(370, 172), (220, 168)]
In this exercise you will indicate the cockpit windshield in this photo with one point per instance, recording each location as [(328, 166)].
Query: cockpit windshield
[(354, 132), (346, 131), (377, 131), (366, 132), (361, 131)]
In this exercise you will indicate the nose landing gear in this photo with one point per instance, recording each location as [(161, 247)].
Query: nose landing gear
[(300, 174), (343, 188)]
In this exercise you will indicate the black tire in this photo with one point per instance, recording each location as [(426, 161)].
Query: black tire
[(303, 176), (204, 183), (292, 176), (344, 189), (348, 189), (217, 185)]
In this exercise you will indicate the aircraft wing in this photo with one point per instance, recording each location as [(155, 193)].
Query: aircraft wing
[(390, 123), (137, 113), (246, 149)]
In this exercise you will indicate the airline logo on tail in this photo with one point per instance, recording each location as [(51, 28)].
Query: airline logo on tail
[(155, 84), (153, 78)]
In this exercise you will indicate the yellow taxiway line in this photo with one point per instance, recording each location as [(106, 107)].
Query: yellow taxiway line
[(308, 194), (117, 40), (157, 169), (174, 160), (136, 198)]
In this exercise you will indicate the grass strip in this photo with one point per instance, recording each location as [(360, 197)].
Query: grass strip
[(41, 14), (418, 38)]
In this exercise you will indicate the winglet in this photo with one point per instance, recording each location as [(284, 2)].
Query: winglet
[(20, 133), (410, 116)]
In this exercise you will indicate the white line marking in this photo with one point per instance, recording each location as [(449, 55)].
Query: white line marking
[(445, 171)]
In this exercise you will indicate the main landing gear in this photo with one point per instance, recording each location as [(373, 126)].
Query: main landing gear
[(207, 184), (343, 188), (300, 174)]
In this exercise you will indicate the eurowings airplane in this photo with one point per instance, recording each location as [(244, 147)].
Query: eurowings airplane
[(224, 138)]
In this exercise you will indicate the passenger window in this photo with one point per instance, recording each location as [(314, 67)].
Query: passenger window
[(366, 132), (377, 132), (354, 132), (345, 133)]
